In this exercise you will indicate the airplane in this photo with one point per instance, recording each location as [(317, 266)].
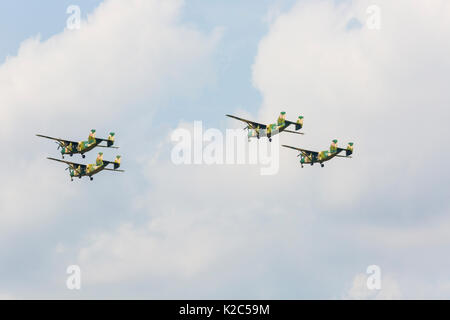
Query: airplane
[(72, 147), (78, 170), (258, 130), (311, 157)]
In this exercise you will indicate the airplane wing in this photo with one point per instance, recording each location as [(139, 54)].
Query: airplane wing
[(290, 131), (118, 170), (113, 147), (73, 164), (251, 124), (301, 150), (340, 156), (306, 153), (66, 142)]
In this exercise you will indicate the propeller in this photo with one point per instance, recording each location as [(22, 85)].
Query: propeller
[(60, 144)]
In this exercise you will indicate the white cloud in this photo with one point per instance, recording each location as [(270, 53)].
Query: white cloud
[(30, 196), (198, 224), (433, 234)]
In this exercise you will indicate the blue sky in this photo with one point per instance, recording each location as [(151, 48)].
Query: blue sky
[(24, 19), (146, 68)]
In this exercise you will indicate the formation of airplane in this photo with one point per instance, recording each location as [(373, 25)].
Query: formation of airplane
[(78, 170), (255, 130), (259, 130)]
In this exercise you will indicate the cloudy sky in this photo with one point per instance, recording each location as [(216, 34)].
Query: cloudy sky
[(165, 231)]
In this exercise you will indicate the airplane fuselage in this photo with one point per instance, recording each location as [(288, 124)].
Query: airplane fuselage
[(321, 158), (79, 149), (266, 132), (88, 172)]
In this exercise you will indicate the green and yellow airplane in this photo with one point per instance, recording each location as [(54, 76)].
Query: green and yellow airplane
[(73, 147), (311, 157), (257, 130), (77, 170)]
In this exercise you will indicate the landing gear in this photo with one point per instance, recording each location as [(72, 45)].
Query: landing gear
[(62, 157), (302, 165), (71, 154), (270, 139), (71, 179), (322, 165), (91, 178), (83, 156)]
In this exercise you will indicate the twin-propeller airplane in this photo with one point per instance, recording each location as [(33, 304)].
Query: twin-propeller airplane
[(311, 157), (73, 147), (257, 130), (79, 170)]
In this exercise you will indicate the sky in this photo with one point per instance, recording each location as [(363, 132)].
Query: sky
[(144, 69)]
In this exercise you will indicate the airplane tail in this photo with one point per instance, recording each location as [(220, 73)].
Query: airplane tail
[(117, 162), (299, 123), (349, 149), (110, 140)]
